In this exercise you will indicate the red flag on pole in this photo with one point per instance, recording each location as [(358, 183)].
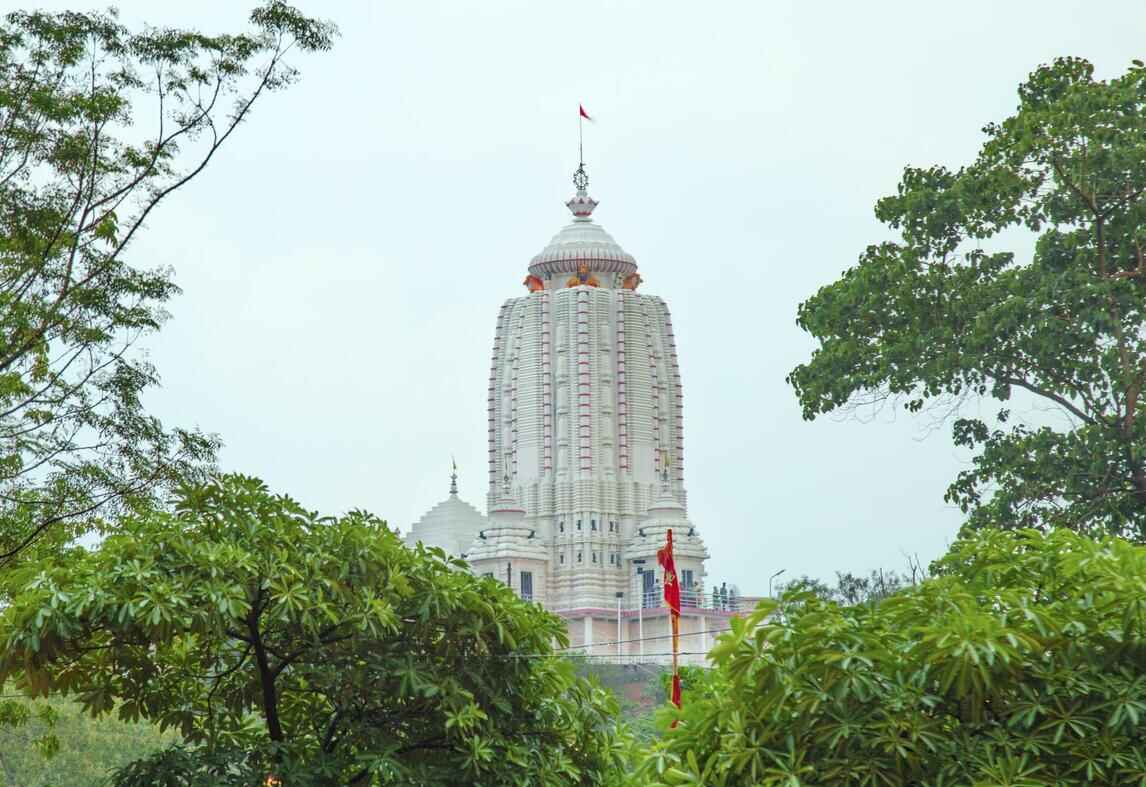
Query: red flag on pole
[(672, 587), (580, 139), (672, 599)]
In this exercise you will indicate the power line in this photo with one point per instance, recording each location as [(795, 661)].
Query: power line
[(640, 639), (632, 658)]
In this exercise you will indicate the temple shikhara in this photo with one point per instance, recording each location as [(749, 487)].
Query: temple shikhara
[(586, 454)]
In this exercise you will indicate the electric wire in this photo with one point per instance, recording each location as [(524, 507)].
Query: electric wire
[(641, 639)]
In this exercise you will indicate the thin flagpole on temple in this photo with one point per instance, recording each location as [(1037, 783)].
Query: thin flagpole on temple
[(582, 116)]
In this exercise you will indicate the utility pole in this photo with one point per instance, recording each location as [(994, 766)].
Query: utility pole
[(778, 573), (620, 647), (640, 607)]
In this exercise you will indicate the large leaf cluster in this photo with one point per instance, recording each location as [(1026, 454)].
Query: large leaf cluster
[(316, 648), (98, 126), (937, 319), (1019, 664)]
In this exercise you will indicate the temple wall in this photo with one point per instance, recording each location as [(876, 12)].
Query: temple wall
[(698, 634)]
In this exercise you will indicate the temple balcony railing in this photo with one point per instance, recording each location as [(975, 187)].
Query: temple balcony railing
[(699, 600)]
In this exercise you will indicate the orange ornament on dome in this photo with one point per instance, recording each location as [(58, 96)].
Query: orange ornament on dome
[(582, 277)]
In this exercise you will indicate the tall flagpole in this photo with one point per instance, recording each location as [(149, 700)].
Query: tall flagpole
[(580, 179), (580, 138), (672, 599)]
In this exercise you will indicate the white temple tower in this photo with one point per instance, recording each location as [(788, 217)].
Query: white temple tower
[(586, 429)]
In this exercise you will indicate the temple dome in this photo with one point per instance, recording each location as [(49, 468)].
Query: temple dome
[(582, 241), (451, 525), (666, 513)]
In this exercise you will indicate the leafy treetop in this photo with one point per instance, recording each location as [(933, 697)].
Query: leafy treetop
[(98, 126), (1019, 664), (935, 319), (321, 649)]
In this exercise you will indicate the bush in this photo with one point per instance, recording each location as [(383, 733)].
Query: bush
[(319, 649), (1019, 663)]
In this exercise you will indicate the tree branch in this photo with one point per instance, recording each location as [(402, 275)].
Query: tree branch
[(1061, 400)]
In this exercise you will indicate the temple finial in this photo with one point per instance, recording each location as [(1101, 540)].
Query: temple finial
[(454, 476), (581, 179), (581, 205)]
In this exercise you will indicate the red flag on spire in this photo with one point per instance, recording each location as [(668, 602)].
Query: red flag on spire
[(584, 114)]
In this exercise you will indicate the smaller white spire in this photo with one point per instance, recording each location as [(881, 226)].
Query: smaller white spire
[(507, 506)]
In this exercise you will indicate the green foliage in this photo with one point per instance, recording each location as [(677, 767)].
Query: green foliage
[(1018, 664), (98, 126), (179, 766), (640, 689), (26, 732), (806, 584), (81, 751), (318, 648), (850, 588), (936, 319)]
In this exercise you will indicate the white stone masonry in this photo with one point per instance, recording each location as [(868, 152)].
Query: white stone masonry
[(585, 416)]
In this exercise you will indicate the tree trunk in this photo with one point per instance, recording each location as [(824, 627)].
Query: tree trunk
[(267, 682), (1138, 479)]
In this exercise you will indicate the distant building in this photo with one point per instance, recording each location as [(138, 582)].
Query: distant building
[(586, 454), (451, 525)]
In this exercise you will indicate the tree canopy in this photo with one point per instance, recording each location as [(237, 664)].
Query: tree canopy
[(1018, 664), (98, 126), (83, 751), (853, 589), (318, 648), (936, 319)]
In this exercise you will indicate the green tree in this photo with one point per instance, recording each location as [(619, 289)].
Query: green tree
[(318, 648), (25, 732), (1018, 664), (85, 750), (98, 126), (806, 584), (935, 319), (850, 588)]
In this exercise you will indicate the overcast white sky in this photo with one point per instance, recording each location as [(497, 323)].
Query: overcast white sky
[(344, 260)]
